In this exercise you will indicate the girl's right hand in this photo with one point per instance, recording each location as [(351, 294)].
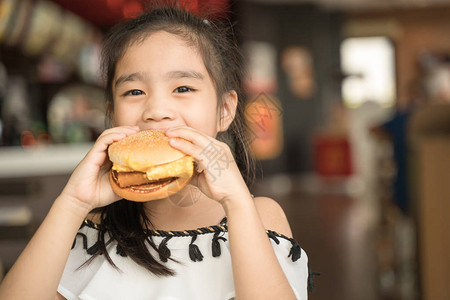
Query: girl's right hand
[(88, 186)]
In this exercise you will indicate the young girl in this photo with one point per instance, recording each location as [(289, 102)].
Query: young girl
[(171, 70)]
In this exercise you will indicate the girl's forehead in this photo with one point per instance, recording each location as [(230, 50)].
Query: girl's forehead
[(164, 42), (163, 49), (162, 56)]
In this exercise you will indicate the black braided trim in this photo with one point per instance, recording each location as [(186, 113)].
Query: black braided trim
[(202, 230), (91, 224), (295, 252), (222, 227), (194, 252), (163, 233), (273, 234), (84, 240)]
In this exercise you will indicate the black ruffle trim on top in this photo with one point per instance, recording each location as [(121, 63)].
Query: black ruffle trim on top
[(194, 251)]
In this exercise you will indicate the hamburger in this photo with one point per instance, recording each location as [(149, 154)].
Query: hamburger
[(145, 167)]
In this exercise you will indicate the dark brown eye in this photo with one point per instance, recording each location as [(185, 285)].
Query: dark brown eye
[(183, 89), (134, 93)]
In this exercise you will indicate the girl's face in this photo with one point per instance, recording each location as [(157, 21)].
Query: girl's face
[(161, 83)]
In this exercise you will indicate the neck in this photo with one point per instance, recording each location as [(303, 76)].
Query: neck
[(184, 199), (187, 209)]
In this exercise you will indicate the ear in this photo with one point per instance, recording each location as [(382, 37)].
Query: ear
[(229, 104)]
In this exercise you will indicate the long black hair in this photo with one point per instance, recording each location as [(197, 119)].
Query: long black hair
[(124, 221)]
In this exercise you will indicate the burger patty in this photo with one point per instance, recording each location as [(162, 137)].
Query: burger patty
[(127, 179)]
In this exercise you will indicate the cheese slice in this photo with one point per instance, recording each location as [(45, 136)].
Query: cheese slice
[(183, 167)]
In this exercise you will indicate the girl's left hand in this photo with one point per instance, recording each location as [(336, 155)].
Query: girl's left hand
[(219, 177)]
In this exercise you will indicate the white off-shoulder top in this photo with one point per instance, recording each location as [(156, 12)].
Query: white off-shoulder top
[(203, 267)]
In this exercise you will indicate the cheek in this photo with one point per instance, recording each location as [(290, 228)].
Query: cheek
[(122, 116), (206, 119), (116, 120)]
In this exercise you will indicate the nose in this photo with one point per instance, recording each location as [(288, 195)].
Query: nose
[(158, 110)]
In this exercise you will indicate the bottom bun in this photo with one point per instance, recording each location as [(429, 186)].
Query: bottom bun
[(149, 192)]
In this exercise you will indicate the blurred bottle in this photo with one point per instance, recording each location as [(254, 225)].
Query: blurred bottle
[(15, 112)]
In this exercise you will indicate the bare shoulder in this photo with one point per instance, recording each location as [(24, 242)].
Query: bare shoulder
[(272, 215)]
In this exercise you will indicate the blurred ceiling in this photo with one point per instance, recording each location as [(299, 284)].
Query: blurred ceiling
[(362, 4), (102, 13), (105, 13)]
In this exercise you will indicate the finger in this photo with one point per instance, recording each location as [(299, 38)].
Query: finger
[(199, 168), (115, 134), (212, 155), (128, 130), (184, 146), (190, 149), (190, 134), (107, 138)]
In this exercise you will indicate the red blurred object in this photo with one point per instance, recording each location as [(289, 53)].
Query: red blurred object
[(27, 139), (131, 9), (332, 155), (106, 13), (99, 12), (115, 4)]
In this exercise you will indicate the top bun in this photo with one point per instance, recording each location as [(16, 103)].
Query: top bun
[(143, 150)]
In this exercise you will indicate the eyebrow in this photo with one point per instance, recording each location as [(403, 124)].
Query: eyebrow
[(184, 74), (138, 76), (129, 77)]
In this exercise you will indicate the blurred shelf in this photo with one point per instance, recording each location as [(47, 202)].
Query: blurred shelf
[(310, 183), (18, 162), (14, 216)]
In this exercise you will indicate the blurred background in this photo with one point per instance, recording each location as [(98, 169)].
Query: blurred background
[(349, 118)]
